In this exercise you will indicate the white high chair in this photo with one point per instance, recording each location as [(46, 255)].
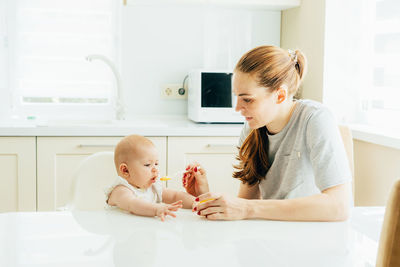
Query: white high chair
[(91, 180)]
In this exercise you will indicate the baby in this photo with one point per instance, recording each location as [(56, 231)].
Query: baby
[(138, 189)]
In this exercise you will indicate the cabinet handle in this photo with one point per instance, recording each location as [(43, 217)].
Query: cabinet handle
[(94, 145), (220, 145)]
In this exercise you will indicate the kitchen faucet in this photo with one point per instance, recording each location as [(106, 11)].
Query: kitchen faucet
[(118, 104)]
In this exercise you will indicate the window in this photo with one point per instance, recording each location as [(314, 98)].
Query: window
[(361, 62), (383, 99), (47, 45)]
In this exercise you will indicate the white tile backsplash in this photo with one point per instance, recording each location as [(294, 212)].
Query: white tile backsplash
[(161, 44)]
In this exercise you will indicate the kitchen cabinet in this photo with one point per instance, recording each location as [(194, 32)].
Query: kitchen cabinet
[(18, 174), (37, 172), (216, 154), (58, 158)]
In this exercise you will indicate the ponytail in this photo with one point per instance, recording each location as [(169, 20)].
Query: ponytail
[(301, 65), (253, 158)]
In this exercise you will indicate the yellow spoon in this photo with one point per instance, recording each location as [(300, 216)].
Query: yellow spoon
[(166, 178), (207, 199)]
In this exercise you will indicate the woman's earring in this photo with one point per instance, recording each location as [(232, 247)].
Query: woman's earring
[(281, 98)]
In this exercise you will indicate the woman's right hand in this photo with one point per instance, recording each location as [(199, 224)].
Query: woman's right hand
[(162, 209), (194, 180)]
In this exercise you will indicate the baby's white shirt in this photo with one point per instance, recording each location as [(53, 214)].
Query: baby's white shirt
[(153, 194)]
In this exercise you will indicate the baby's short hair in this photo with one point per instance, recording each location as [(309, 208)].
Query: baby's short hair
[(127, 147)]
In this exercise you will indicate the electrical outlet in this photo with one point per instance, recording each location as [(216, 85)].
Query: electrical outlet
[(172, 91)]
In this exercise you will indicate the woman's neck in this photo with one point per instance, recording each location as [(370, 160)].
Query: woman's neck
[(281, 121)]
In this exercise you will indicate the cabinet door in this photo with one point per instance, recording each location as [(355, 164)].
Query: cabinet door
[(58, 158), (18, 174), (215, 154)]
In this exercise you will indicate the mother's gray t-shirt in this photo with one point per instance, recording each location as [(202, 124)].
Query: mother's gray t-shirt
[(307, 155)]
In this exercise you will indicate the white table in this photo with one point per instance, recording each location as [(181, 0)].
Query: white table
[(113, 238)]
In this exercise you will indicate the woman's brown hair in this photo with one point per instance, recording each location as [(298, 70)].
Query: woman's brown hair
[(272, 67)]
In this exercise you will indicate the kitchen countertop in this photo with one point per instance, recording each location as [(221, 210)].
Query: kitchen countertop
[(146, 125)]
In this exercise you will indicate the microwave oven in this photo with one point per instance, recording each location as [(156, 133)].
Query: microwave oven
[(210, 97)]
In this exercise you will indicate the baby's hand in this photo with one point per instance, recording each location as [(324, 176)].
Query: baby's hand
[(162, 209)]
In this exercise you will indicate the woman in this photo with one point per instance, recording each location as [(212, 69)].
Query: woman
[(292, 162)]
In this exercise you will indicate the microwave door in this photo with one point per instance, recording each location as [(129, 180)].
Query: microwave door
[(216, 90)]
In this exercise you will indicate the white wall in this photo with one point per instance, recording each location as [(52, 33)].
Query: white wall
[(304, 28), (160, 44)]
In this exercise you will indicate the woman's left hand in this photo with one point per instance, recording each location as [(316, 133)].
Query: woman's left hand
[(194, 180), (221, 207)]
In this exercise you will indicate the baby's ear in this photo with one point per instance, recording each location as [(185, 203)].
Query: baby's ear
[(123, 170)]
